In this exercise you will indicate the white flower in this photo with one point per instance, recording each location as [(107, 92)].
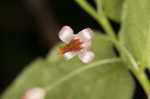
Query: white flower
[(34, 93), (77, 44)]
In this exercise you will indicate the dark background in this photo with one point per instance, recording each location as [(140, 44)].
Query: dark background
[(28, 29)]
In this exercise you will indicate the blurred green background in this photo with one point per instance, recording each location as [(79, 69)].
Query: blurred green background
[(28, 29)]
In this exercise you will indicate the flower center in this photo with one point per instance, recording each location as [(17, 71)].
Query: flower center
[(74, 45)]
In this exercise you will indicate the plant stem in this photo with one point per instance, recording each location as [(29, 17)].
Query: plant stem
[(88, 8), (139, 74), (133, 66), (127, 56), (102, 20), (142, 78), (99, 6), (107, 27)]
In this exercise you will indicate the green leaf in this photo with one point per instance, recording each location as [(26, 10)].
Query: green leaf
[(113, 9), (101, 82), (135, 32)]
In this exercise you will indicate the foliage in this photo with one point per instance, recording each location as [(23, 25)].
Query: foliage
[(108, 75)]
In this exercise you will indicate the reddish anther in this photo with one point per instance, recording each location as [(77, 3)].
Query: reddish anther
[(74, 45)]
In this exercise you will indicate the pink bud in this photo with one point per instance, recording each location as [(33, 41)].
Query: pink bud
[(35, 93)]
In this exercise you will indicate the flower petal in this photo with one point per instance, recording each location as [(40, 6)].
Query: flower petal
[(69, 55), (35, 93), (86, 45), (66, 34), (85, 34), (86, 56)]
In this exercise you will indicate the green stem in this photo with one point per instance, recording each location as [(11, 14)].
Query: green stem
[(142, 78), (99, 6), (107, 27), (88, 8), (127, 56), (102, 20), (133, 66)]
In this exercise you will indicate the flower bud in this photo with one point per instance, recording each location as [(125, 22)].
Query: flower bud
[(34, 93)]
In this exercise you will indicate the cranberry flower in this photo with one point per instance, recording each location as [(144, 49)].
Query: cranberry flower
[(34, 93), (77, 44)]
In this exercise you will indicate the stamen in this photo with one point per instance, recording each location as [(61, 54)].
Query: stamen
[(74, 45)]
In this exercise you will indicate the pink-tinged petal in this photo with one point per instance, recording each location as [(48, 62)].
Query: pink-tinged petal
[(66, 34), (86, 45), (69, 55), (85, 34), (35, 93), (86, 56)]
